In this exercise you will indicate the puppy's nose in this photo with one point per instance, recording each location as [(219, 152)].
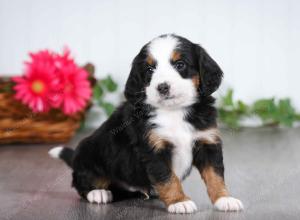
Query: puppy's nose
[(163, 88)]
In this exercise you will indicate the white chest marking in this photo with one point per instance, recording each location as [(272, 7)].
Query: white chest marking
[(173, 128)]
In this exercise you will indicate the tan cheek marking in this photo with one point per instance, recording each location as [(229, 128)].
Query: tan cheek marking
[(208, 136), (102, 183), (214, 183), (171, 191), (175, 56), (150, 60), (196, 81), (156, 141)]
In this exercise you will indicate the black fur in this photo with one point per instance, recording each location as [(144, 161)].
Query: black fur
[(67, 155), (209, 155), (119, 149), (210, 73)]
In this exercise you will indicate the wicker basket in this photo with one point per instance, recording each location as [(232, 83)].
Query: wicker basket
[(18, 124)]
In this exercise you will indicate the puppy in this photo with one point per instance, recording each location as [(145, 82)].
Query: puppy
[(166, 125)]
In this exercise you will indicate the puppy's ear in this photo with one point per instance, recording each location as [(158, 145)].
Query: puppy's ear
[(210, 72), (134, 85)]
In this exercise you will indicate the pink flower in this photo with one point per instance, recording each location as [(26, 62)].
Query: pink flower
[(75, 90), (39, 84), (53, 81)]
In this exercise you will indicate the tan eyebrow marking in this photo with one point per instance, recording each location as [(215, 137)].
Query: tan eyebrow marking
[(150, 60), (175, 56)]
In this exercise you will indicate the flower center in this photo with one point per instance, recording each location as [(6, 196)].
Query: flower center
[(37, 86)]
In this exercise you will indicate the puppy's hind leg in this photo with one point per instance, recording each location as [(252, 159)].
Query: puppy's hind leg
[(93, 189)]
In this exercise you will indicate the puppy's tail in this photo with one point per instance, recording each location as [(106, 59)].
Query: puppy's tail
[(63, 153)]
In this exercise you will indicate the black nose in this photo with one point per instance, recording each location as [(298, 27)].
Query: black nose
[(163, 88)]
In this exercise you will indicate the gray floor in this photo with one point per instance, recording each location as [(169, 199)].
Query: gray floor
[(262, 169)]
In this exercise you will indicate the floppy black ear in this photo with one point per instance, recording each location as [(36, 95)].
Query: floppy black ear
[(134, 89), (210, 72)]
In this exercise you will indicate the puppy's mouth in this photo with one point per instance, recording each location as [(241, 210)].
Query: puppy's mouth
[(174, 101), (168, 97), (170, 100)]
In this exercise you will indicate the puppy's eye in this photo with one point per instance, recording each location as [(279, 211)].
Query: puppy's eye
[(180, 65), (149, 70)]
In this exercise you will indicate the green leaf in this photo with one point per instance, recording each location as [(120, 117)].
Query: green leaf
[(265, 109), (272, 112), (285, 107), (227, 100), (242, 107), (97, 91), (82, 125), (102, 87), (229, 118), (264, 105), (109, 84), (286, 113), (297, 117), (108, 108)]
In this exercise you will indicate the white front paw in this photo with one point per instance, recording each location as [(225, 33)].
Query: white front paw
[(183, 207), (228, 204), (99, 196)]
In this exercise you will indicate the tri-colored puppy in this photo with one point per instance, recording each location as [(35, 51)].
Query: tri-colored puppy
[(166, 125)]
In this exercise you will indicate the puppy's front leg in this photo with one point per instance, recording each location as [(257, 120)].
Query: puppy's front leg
[(169, 188), (208, 159)]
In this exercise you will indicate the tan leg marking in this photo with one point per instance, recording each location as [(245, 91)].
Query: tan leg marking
[(101, 194), (171, 191), (215, 184), (102, 183)]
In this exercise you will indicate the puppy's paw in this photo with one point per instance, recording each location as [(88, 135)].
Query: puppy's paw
[(99, 196), (183, 207), (228, 204)]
